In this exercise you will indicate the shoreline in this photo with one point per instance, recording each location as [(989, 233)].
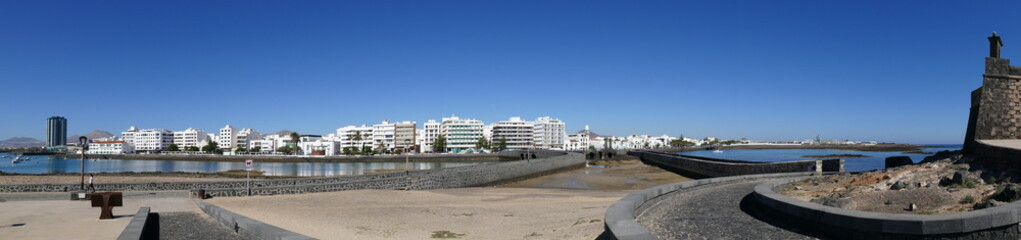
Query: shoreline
[(299, 159), (863, 148)]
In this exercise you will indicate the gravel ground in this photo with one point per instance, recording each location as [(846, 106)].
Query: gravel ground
[(717, 211), (192, 225)]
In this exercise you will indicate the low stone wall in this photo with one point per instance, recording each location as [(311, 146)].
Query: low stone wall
[(710, 167), (994, 153), (473, 175), (503, 156), (465, 176), (620, 217), (143, 225), (246, 227), (991, 223)]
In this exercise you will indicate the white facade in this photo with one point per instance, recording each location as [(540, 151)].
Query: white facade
[(355, 137), (264, 145), (430, 131), (226, 138), (246, 135), (319, 147), (550, 133), (191, 138), (148, 139), (583, 141), (383, 136), (461, 134), (518, 134), (231, 137), (110, 147)]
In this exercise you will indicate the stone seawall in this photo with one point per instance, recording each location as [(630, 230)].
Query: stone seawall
[(464, 176), (994, 153), (710, 167), (504, 156)]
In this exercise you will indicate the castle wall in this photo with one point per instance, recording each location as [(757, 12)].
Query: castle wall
[(999, 114)]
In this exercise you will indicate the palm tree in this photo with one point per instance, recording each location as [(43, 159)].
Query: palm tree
[(357, 137), (295, 137)]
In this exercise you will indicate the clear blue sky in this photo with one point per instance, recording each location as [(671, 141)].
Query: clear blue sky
[(897, 71)]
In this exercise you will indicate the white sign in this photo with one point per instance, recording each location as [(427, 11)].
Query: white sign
[(248, 163)]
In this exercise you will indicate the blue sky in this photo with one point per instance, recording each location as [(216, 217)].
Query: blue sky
[(895, 71)]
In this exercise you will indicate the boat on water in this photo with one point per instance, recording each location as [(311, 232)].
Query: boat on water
[(717, 151), (17, 160)]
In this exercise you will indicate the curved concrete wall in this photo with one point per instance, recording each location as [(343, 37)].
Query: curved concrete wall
[(710, 167), (991, 223), (463, 176), (620, 220)]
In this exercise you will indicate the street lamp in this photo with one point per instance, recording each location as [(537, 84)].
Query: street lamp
[(407, 161), (84, 143)]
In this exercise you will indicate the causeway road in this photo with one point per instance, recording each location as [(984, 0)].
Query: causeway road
[(714, 211)]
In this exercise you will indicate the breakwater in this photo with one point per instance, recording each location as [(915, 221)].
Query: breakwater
[(464, 176), (711, 167), (479, 157)]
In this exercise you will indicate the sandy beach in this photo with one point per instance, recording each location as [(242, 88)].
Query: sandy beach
[(566, 205)]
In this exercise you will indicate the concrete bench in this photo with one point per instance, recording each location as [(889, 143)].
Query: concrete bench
[(106, 201)]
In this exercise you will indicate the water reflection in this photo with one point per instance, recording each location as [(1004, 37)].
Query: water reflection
[(55, 164)]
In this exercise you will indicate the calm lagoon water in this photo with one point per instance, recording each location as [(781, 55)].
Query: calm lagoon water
[(55, 164), (875, 160)]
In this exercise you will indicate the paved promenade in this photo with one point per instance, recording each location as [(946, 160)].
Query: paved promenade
[(53, 216), (714, 211)]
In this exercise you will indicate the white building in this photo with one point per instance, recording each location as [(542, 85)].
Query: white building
[(461, 134), (318, 146), (518, 134), (383, 136), (583, 141), (226, 138), (148, 139), (110, 147), (231, 137), (355, 137), (550, 133), (430, 131), (191, 138), (246, 135), (263, 146)]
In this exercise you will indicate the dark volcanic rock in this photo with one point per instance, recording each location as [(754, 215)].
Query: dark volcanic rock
[(897, 161), (1010, 193), (988, 204)]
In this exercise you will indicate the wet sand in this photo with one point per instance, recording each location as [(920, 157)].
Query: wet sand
[(605, 175), (566, 205)]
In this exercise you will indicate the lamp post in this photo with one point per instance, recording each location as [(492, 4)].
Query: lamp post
[(84, 143), (407, 161)]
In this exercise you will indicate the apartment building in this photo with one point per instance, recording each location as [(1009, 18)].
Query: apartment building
[(550, 133), (191, 138), (461, 134), (518, 134), (148, 139)]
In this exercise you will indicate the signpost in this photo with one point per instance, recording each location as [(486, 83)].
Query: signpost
[(248, 175)]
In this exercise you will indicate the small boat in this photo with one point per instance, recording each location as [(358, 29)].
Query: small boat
[(16, 160), (717, 151)]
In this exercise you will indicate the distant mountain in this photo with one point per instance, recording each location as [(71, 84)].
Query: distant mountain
[(284, 132), (21, 142), (92, 135)]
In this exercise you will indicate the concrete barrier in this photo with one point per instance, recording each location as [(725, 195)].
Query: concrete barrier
[(712, 167), (620, 217), (991, 223), (142, 226), (464, 176), (246, 227)]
